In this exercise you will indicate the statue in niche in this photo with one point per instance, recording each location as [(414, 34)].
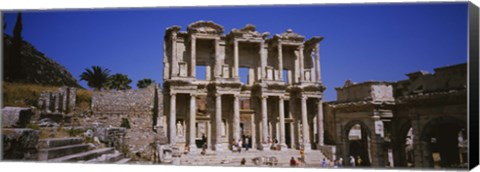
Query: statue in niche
[(179, 129), (222, 129)]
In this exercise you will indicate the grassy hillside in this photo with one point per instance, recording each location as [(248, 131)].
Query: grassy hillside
[(25, 95)]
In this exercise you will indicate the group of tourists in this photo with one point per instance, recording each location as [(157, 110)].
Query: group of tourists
[(352, 162), (241, 143)]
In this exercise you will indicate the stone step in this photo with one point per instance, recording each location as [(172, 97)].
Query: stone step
[(58, 142), (55, 152), (83, 156), (123, 161), (107, 158)]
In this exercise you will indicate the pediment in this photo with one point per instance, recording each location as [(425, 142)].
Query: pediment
[(205, 27)]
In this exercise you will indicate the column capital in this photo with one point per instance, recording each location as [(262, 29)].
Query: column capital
[(303, 97), (236, 95), (281, 97), (263, 96), (172, 93), (218, 94), (194, 95)]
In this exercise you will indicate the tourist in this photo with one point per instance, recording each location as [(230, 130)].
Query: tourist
[(233, 144), (340, 162), (239, 146), (302, 153), (352, 161), (324, 163), (204, 149), (293, 163), (247, 143), (359, 161), (187, 149), (299, 162), (243, 161)]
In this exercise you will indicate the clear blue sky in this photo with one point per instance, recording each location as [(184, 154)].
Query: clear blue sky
[(362, 42)]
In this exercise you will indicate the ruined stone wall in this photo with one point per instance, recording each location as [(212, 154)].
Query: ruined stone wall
[(370, 90), (141, 108), (443, 80), (61, 101)]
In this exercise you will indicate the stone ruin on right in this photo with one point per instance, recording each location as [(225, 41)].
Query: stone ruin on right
[(419, 122)]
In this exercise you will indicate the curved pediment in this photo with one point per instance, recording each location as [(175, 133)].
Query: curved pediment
[(290, 35), (205, 27)]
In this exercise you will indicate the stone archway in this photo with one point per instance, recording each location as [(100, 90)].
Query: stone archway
[(403, 143), (358, 147), (440, 142)]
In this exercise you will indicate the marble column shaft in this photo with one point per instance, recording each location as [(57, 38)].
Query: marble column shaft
[(305, 132), (320, 128), (172, 125), (281, 113), (236, 118), (193, 54), (280, 62), (264, 120), (218, 120), (317, 53), (235, 58), (193, 110)]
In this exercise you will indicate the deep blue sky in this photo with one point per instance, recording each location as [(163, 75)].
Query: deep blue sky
[(362, 42)]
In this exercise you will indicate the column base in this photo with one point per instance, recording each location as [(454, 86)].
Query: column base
[(193, 148), (307, 147), (283, 147), (219, 147), (264, 147)]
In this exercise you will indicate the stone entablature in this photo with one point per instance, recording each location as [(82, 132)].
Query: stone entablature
[(373, 91)]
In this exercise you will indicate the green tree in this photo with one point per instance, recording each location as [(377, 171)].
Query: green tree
[(144, 83), (96, 77), (119, 81), (13, 61)]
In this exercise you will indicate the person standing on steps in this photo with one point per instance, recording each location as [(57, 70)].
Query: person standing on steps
[(352, 161), (293, 163), (243, 161), (324, 163)]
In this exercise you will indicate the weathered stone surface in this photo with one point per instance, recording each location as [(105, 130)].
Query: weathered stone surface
[(61, 101), (20, 144), (16, 117)]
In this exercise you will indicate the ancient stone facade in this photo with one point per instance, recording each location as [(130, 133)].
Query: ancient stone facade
[(60, 102), (418, 122), (283, 87)]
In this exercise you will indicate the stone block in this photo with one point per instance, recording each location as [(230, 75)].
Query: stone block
[(16, 117), (20, 144)]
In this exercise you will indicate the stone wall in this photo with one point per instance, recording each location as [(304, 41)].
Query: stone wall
[(139, 108), (365, 91)]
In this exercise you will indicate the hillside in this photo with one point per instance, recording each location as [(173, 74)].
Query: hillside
[(36, 66)]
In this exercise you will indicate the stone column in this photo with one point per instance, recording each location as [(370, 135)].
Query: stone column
[(57, 102), (264, 123), (218, 122), (317, 69), (281, 113), (305, 133), (174, 55), (192, 122), (218, 66), (320, 128), (235, 59), (172, 124), (280, 61), (302, 66), (263, 61), (193, 56), (236, 117)]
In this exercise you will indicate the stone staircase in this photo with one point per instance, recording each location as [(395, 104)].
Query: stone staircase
[(313, 158), (72, 149)]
